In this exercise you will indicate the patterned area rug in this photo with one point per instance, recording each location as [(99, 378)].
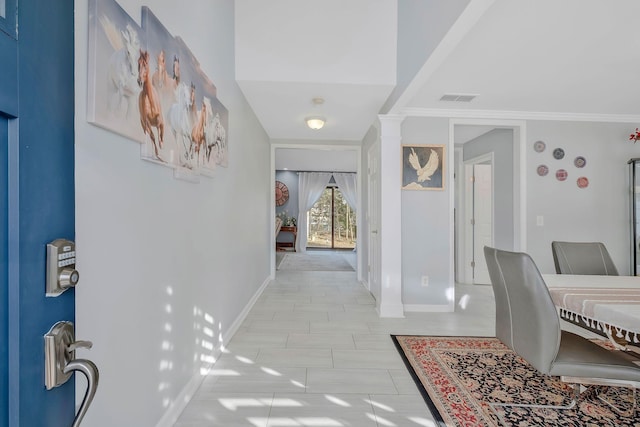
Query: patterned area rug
[(468, 381), (315, 262)]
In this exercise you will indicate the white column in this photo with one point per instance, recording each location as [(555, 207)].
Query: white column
[(390, 228)]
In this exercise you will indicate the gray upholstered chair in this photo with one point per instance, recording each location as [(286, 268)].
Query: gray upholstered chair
[(582, 258), (503, 311), (528, 323)]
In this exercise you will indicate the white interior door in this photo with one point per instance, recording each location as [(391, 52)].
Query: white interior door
[(482, 220), (373, 215)]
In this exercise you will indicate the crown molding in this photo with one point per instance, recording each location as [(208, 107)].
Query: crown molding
[(391, 117), (520, 115)]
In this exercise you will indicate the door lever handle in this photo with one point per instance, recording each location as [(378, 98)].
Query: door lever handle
[(60, 363), (79, 344), (90, 370)]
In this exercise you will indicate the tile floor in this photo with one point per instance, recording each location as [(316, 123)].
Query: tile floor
[(313, 352)]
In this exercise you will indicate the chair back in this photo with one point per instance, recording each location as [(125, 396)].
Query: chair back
[(503, 311), (534, 323), (582, 258)]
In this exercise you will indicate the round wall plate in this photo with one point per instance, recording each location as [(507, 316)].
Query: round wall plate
[(542, 170), (558, 153), (561, 175), (580, 162), (539, 146), (583, 182)]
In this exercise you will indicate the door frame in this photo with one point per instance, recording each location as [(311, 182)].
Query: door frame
[(373, 220), (519, 128), (468, 208), (40, 202), (359, 208)]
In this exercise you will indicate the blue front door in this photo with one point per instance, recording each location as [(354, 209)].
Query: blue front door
[(4, 294), (37, 193)]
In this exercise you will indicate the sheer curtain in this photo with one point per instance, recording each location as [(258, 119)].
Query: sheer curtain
[(346, 182), (310, 188)]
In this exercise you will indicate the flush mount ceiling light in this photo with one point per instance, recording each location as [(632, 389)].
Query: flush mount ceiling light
[(315, 123)]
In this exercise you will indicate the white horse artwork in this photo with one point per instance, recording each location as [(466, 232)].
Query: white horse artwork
[(146, 85), (123, 67), (215, 136), (179, 118)]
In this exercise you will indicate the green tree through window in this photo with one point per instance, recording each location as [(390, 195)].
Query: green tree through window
[(332, 222)]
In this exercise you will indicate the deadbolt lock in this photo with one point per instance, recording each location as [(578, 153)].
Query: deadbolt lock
[(61, 267)]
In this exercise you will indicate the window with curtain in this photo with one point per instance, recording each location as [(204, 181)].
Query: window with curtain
[(332, 222)]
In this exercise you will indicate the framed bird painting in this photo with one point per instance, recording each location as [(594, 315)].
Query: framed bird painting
[(423, 167)]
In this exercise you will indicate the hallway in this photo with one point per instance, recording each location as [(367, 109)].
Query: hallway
[(313, 352)]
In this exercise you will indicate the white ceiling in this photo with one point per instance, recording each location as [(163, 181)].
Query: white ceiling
[(578, 57), (572, 59), (291, 51)]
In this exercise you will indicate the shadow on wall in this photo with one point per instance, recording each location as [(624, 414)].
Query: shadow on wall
[(205, 332)]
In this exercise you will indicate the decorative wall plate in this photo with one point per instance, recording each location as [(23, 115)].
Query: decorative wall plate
[(558, 153), (561, 174), (282, 193), (539, 146), (542, 170), (583, 182), (580, 162)]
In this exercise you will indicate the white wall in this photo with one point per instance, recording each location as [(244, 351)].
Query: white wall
[(166, 266), (599, 212), (319, 160), (427, 223), (422, 26)]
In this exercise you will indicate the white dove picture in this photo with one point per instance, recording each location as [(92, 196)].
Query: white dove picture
[(424, 173)]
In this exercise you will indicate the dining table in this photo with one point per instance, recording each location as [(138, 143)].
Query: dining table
[(609, 304)]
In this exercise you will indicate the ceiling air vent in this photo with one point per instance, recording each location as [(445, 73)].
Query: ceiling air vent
[(458, 97)]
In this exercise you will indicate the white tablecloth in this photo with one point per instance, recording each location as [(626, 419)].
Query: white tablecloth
[(608, 303)]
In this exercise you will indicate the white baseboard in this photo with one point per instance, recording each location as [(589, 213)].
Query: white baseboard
[(226, 336), (429, 308), (181, 401)]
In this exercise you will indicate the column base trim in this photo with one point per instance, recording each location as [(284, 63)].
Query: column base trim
[(391, 310)]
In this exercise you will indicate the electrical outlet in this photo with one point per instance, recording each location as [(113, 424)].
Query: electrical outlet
[(425, 281)]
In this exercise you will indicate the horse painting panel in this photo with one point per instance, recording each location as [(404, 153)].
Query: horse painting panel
[(180, 121), (114, 44), (123, 72), (149, 105), (141, 78)]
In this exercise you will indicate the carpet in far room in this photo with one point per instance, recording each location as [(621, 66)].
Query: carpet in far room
[(317, 261)]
